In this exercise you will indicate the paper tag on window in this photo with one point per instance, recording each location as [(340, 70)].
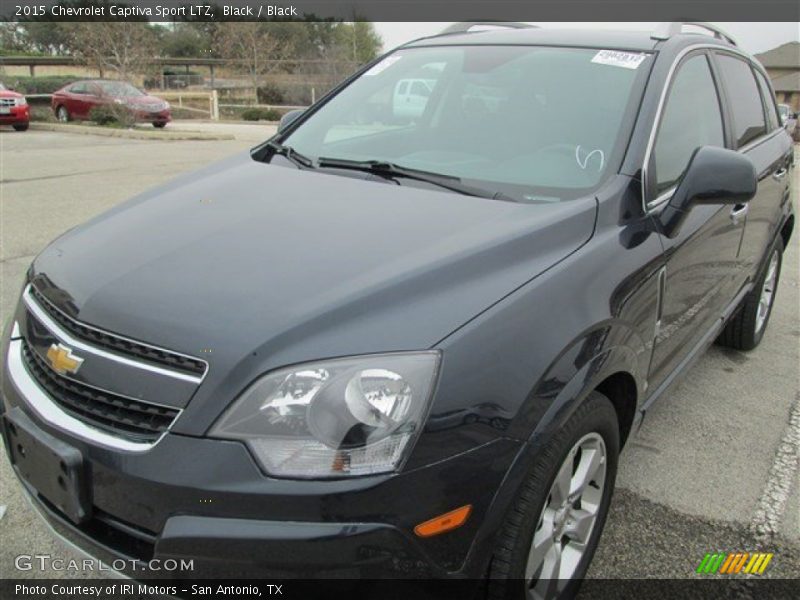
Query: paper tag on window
[(615, 58), (383, 65)]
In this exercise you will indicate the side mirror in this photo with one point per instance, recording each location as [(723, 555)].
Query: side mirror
[(289, 118), (713, 176)]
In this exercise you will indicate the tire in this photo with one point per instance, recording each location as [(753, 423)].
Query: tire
[(22, 127), (158, 125), (594, 429), (62, 114), (746, 327)]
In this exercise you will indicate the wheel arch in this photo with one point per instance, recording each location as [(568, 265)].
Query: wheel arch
[(611, 358), (616, 373), (786, 230), (620, 389)]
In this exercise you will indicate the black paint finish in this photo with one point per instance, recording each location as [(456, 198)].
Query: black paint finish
[(253, 267)]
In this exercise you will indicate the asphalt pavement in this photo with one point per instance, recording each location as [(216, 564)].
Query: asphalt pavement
[(713, 468)]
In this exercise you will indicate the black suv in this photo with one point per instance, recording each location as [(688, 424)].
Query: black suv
[(408, 335)]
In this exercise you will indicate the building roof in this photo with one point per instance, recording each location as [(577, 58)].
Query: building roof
[(787, 83), (785, 56)]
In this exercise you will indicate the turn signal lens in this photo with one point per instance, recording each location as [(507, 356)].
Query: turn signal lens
[(443, 523)]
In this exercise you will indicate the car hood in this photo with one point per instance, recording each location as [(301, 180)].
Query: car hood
[(252, 266), (10, 94)]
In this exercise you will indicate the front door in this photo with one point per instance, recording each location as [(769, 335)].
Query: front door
[(702, 265)]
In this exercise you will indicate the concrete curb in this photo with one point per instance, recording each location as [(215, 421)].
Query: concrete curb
[(227, 122), (132, 134)]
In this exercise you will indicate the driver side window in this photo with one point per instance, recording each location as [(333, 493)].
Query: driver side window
[(691, 119)]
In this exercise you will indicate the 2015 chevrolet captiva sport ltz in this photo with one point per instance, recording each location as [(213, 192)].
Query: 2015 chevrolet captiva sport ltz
[(408, 335)]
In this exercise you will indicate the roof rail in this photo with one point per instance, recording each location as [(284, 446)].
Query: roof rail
[(467, 25), (668, 29)]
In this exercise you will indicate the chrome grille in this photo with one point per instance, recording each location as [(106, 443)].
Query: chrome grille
[(137, 350), (7, 102), (122, 416)]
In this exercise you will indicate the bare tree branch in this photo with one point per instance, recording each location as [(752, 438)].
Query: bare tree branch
[(254, 48), (124, 48)]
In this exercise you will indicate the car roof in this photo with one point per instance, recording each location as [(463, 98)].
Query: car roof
[(639, 41)]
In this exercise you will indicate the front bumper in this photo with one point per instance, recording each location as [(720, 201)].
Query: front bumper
[(164, 116), (18, 115), (206, 500)]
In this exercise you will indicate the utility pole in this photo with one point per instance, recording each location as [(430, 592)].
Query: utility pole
[(355, 50)]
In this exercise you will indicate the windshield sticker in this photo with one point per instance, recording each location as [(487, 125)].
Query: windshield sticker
[(615, 58), (383, 65)]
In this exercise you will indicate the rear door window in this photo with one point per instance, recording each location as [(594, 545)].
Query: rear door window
[(769, 102), (691, 119), (745, 99)]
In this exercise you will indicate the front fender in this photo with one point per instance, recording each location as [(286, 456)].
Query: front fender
[(555, 398), (610, 347)]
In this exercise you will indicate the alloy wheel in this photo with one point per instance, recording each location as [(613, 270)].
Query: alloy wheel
[(569, 516), (767, 292)]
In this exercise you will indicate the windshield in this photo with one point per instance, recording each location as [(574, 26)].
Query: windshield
[(119, 89), (538, 124)]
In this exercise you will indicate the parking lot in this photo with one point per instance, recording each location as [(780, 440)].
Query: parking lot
[(713, 468)]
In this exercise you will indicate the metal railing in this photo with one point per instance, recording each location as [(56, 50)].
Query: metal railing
[(176, 100)]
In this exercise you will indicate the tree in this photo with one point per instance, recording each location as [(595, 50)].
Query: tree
[(13, 39), (184, 40), (364, 42), (124, 47), (255, 48), (48, 37)]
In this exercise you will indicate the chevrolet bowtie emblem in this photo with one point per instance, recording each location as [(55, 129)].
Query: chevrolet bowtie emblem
[(62, 359)]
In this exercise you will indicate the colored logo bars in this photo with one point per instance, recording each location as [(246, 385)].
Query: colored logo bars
[(722, 563)]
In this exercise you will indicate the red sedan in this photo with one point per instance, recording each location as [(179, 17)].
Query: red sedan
[(76, 100), (14, 109)]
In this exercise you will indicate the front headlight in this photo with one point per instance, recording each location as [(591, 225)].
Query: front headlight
[(21, 101), (334, 418), (165, 106)]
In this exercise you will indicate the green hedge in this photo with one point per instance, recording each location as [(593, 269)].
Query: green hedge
[(112, 115), (261, 114), (42, 113), (39, 85)]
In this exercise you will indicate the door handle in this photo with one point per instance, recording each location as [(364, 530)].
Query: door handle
[(780, 173), (739, 212)]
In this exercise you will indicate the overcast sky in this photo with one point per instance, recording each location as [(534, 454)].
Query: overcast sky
[(752, 37)]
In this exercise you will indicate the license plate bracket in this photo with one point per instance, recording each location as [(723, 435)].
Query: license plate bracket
[(56, 470), (4, 110)]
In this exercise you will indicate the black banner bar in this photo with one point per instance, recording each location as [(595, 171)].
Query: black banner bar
[(403, 10), (701, 588)]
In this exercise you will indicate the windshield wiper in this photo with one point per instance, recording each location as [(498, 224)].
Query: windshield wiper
[(291, 154), (392, 170)]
